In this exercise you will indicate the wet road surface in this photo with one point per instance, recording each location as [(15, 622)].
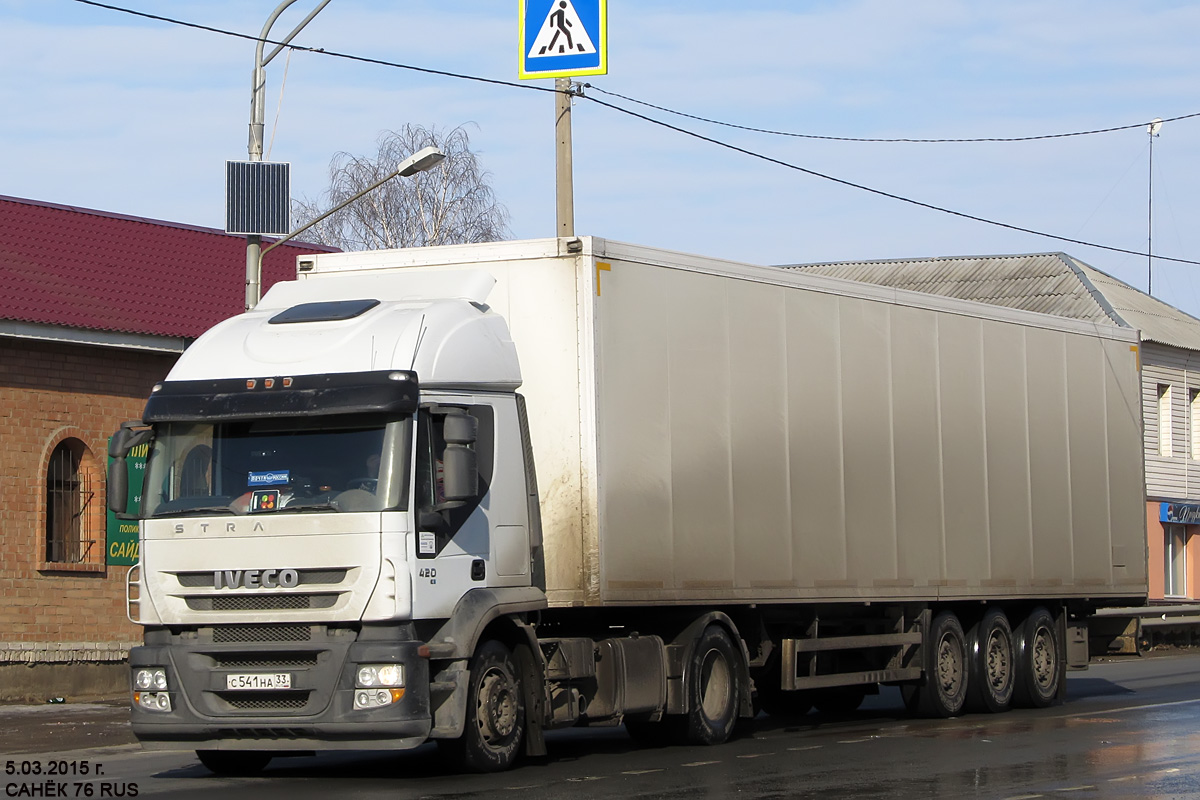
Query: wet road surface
[(1130, 728)]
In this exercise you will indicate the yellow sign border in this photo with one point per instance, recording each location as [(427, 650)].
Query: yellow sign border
[(602, 46)]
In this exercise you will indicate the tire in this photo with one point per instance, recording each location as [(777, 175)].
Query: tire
[(944, 691), (233, 762), (991, 664), (495, 725), (839, 699), (1038, 655), (713, 688)]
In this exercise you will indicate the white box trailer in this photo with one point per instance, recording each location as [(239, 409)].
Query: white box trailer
[(711, 432), (753, 487)]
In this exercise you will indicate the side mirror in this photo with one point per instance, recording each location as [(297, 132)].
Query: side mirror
[(460, 471), (460, 474), (119, 447)]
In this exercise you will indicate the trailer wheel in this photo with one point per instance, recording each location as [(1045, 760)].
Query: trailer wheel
[(712, 688), (495, 712), (1038, 658), (945, 688), (232, 762), (992, 668)]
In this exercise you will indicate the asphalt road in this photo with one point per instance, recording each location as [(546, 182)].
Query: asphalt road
[(1130, 728)]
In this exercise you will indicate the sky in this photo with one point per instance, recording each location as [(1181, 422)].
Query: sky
[(101, 109)]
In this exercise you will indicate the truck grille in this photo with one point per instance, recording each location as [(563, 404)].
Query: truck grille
[(225, 634), (272, 661), (260, 602), (265, 701)]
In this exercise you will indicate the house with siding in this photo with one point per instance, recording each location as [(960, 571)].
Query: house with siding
[(96, 308), (1058, 284)]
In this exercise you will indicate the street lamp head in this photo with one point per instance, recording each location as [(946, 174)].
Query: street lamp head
[(419, 161)]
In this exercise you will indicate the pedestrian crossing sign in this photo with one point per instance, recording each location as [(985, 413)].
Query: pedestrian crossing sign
[(563, 38)]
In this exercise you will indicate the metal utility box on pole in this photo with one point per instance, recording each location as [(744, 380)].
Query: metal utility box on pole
[(562, 39)]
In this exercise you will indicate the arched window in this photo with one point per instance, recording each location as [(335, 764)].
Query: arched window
[(69, 497)]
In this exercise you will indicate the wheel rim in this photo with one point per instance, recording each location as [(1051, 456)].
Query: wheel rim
[(496, 713), (1045, 662), (999, 666), (716, 682), (949, 665)]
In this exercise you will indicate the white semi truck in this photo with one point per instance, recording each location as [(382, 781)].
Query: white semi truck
[(474, 493)]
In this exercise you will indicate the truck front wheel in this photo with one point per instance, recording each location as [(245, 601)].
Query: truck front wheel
[(712, 688), (495, 725)]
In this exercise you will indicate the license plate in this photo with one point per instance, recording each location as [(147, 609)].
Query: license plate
[(258, 680)]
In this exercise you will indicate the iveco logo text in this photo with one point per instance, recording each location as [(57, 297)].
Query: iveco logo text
[(255, 579)]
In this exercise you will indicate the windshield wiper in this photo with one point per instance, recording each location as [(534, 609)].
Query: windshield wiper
[(188, 512), (327, 505)]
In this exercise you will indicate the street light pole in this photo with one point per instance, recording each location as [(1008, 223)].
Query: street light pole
[(1153, 128), (419, 161), (258, 85)]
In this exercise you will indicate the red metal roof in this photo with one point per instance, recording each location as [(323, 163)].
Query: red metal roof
[(81, 268)]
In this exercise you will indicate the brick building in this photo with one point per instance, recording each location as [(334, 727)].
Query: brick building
[(94, 311)]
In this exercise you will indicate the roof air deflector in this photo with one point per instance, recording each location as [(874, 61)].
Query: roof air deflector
[(329, 311)]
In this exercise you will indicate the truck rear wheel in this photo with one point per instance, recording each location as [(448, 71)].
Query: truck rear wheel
[(992, 671), (232, 762), (495, 725), (1038, 658), (944, 691), (712, 688)]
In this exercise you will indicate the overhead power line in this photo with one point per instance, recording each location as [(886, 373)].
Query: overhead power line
[(677, 129), (882, 140)]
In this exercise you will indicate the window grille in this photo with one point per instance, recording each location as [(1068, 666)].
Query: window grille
[(69, 537)]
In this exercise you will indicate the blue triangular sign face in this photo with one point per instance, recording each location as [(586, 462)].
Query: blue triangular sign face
[(562, 33)]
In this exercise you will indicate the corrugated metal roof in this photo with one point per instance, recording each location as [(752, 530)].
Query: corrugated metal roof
[(82, 268), (1048, 283)]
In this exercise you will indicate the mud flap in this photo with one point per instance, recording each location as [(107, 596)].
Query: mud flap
[(535, 706)]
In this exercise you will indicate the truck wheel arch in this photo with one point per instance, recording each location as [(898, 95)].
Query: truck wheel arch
[(680, 654)]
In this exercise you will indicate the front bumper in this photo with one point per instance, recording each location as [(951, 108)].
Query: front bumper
[(317, 713)]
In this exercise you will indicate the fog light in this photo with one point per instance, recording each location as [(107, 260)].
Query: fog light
[(378, 698), (152, 701)]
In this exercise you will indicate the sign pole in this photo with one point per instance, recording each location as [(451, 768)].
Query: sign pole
[(562, 39), (564, 183)]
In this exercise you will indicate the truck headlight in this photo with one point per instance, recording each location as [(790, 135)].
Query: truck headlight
[(155, 678), (382, 675), (378, 685)]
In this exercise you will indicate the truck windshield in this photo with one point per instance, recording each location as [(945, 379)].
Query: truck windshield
[(277, 466)]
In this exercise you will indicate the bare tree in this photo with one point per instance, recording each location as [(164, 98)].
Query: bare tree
[(451, 203)]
